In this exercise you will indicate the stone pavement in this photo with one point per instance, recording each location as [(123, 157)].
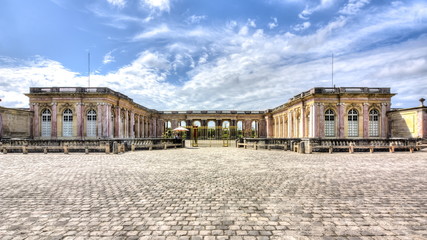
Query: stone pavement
[(214, 193)]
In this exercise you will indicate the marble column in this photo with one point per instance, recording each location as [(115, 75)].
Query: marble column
[(105, 121), (36, 119), (154, 128), (268, 126), (365, 120), (341, 120), (143, 134), (79, 116), (99, 118), (321, 121), (54, 117), (384, 125), (283, 133), (302, 122), (137, 126), (290, 125), (132, 125), (118, 123)]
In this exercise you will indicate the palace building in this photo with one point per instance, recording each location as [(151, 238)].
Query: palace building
[(101, 113)]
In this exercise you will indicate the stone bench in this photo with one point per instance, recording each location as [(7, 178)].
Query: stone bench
[(158, 146), (351, 147), (65, 149)]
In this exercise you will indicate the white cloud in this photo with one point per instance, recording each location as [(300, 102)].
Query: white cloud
[(244, 30), (251, 23), (117, 3), (17, 78), (353, 6), (324, 4), (108, 58), (194, 19), (302, 26), (155, 32), (241, 67), (273, 24), (157, 5)]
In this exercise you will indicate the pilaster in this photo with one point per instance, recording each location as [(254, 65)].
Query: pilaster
[(384, 124), (79, 116), (341, 120), (132, 125), (100, 115), (365, 120), (54, 119), (118, 123)]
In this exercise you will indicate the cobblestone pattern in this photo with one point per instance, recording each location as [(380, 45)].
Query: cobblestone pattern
[(213, 194)]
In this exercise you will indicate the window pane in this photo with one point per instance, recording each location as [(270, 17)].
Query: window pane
[(329, 123), (91, 124), (353, 124), (373, 123), (67, 123), (46, 123)]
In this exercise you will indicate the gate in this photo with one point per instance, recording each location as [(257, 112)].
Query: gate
[(210, 136)]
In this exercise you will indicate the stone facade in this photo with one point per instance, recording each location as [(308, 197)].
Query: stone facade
[(240, 123), (408, 123), (15, 123), (93, 113), (333, 113), (101, 113)]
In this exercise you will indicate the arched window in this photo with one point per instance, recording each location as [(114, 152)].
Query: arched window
[(353, 124), (168, 125), (46, 123), (239, 129), (373, 123), (91, 123), (239, 126), (329, 123), (254, 128), (211, 129), (67, 123), (226, 124), (183, 123), (197, 123)]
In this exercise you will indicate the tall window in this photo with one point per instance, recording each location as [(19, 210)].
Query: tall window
[(330, 123), (91, 123), (353, 124), (67, 123), (168, 125), (211, 129), (183, 124), (239, 129), (226, 124), (46, 123), (373, 123), (254, 127)]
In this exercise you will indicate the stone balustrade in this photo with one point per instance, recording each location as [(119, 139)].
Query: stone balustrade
[(309, 145), (86, 146)]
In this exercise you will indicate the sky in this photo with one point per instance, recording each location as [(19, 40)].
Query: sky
[(213, 54)]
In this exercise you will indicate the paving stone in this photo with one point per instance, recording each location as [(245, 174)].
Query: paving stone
[(213, 193)]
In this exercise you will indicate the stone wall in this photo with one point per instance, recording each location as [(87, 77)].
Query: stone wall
[(408, 123), (15, 123)]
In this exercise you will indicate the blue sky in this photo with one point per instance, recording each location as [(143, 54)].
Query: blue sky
[(222, 54)]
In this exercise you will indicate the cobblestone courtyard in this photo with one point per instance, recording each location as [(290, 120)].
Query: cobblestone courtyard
[(213, 193)]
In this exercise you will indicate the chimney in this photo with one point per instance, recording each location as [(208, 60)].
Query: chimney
[(422, 102)]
